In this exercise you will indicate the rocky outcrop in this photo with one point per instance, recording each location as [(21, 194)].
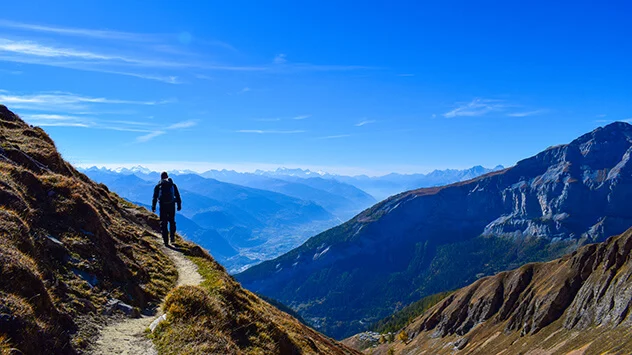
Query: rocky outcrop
[(586, 292), (431, 240)]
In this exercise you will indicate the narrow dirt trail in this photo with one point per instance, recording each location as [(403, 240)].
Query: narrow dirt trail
[(128, 336)]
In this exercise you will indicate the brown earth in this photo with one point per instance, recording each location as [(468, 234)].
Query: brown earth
[(578, 304)]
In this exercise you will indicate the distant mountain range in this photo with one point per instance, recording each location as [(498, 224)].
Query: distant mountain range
[(239, 225), (244, 218), (341, 199), (384, 186), (436, 239)]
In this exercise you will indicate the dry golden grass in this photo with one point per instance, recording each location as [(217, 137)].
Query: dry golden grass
[(220, 317), (68, 245)]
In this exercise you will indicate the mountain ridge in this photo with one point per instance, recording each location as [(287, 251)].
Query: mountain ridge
[(568, 304), (431, 240)]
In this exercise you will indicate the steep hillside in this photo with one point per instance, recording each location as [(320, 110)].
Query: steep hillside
[(579, 303), (437, 239), (69, 246)]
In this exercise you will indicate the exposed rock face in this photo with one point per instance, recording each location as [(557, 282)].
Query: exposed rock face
[(431, 240), (587, 291)]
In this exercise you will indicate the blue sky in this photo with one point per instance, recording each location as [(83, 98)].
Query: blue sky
[(343, 86)]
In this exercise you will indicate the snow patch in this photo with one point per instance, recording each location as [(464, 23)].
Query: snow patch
[(318, 255)]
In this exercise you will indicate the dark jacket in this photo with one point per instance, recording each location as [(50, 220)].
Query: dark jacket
[(157, 197)]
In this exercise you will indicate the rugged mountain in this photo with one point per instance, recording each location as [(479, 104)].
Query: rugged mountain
[(436, 239), (578, 304), (381, 187), (341, 199), (69, 246), (384, 186)]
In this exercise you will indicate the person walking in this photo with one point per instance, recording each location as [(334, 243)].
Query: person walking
[(166, 192)]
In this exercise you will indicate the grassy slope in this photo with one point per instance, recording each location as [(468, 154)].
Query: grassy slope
[(407, 315), (69, 245), (221, 317)]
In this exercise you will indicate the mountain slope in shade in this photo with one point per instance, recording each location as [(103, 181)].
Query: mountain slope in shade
[(580, 302), (69, 246), (431, 240)]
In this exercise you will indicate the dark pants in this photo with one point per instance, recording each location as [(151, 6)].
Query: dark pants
[(168, 216)]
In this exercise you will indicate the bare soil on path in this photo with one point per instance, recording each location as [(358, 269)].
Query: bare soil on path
[(128, 336)]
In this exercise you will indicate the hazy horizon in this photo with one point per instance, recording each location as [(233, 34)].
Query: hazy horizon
[(201, 167)]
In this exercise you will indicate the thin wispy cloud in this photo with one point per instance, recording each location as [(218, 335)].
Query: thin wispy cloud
[(281, 64), (80, 32), (70, 57), (526, 113), (121, 62), (335, 136), (55, 120), (61, 124), (405, 75), (50, 117), (183, 124), (169, 79), (149, 136), (64, 102), (476, 107), (31, 48), (50, 120), (301, 117), (263, 131), (72, 110), (364, 123), (245, 90), (309, 67), (601, 115), (116, 35), (173, 127)]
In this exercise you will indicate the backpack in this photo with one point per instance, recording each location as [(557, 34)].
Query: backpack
[(166, 192)]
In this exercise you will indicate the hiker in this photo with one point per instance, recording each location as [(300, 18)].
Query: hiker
[(166, 192)]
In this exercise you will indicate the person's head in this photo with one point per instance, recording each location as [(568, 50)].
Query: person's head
[(164, 175)]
